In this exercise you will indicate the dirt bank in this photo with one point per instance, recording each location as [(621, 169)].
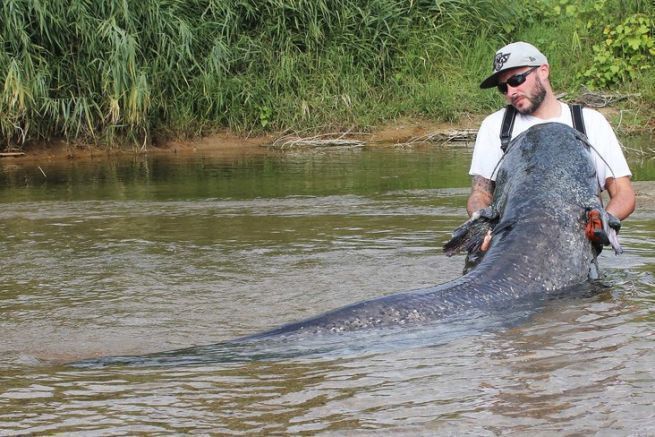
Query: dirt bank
[(225, 142), (400, 131)]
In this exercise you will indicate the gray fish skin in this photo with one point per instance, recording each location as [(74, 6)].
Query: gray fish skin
[(544, 184)]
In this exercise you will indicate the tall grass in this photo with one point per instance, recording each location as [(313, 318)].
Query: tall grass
[(134, 71)]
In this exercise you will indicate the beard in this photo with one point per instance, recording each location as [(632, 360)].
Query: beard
[(535, 99)]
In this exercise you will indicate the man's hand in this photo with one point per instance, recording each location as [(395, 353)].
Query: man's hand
[(613, 228), (486, 242), (602, 230), (489, 214), (613, 222)]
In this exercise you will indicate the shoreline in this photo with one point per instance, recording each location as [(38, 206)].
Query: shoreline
[(400, 131), (227, 142)]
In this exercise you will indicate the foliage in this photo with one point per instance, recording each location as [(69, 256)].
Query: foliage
[(620, 35), (627, 51), (134, 71), (128, 70)]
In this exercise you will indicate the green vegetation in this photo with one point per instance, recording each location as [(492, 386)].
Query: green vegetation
[(134, 72)]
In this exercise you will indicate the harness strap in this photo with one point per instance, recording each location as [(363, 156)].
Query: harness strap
[(510, 115), (578, 120), (507, 127)]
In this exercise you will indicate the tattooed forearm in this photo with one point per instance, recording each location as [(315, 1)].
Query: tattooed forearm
[(481, 194), (483, 185)]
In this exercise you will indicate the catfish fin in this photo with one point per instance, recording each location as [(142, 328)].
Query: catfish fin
[(470, 235)]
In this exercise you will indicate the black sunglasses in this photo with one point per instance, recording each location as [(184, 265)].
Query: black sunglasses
[(515, 80)]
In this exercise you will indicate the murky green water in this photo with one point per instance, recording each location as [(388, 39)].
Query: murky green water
[(116, 257)]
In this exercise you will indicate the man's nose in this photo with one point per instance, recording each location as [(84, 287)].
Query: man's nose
[(511, 91)]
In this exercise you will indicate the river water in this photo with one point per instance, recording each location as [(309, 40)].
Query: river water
[(148, 254)]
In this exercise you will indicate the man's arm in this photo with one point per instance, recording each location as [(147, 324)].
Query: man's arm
[(622, 197), (482, 192)]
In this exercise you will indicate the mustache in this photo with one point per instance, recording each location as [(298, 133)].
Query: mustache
[(516, 97)]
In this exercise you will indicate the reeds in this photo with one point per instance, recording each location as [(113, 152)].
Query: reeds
[(110, 71)]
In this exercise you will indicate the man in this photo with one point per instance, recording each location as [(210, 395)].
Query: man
[(521, 74)]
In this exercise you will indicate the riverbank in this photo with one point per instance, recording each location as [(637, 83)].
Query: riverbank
[(401, 131), (397, 132)]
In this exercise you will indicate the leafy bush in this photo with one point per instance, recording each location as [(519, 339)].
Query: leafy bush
[(627, 50), (619, 34)]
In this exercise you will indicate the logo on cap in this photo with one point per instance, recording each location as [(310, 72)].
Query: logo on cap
[(500, 60)]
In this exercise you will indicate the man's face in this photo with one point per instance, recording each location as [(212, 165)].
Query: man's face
[(528, 96)]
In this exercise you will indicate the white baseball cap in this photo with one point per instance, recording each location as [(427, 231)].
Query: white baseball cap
[(516, 54)]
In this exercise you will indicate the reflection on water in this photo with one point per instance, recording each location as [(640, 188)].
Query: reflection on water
[(268, 174), (141, 256)]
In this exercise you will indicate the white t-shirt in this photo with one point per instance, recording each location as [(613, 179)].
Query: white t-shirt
[(487, 152)]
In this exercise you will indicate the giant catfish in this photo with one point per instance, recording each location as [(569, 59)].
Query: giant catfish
[(545, 188)]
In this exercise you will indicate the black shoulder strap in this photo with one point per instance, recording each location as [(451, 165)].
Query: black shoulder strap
[(510, 114), (507, 127), (578, 120)]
